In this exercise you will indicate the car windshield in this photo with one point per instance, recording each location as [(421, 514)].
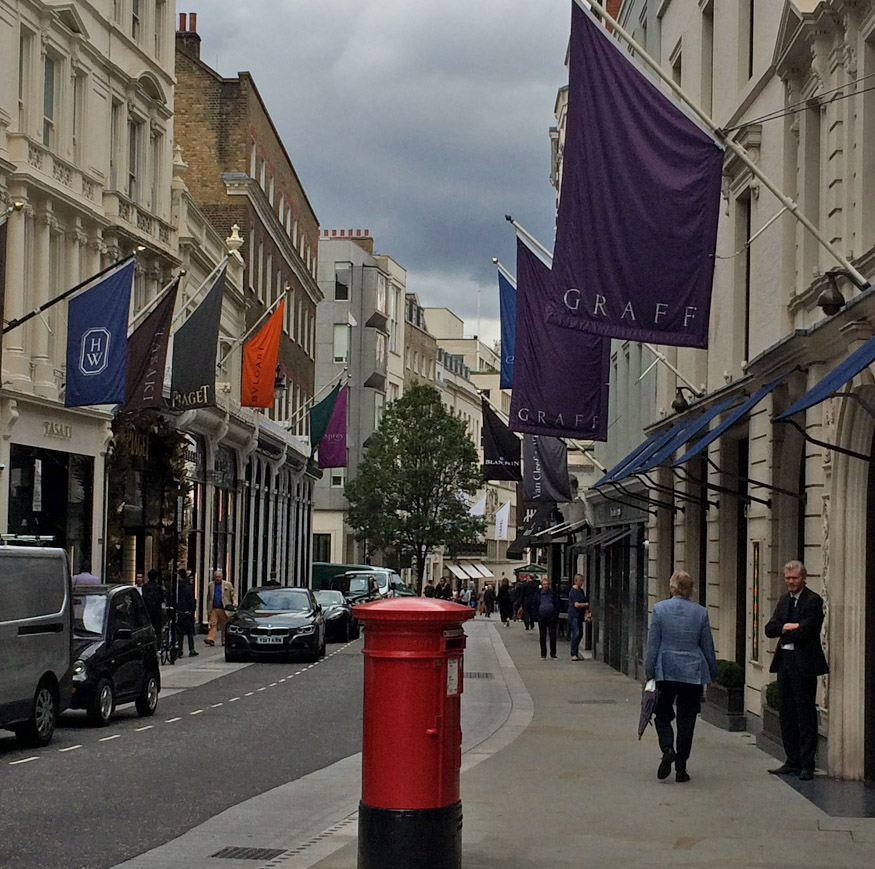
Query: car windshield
[(329, 598), (358, 585), (89, 612), (276, 600)]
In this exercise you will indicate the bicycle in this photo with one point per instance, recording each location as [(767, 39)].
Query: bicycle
[(168, 649)]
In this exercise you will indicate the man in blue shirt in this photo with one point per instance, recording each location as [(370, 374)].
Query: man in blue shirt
[(578, 603), (546, 613)]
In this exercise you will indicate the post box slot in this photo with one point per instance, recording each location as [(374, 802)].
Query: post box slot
[(454, 643)]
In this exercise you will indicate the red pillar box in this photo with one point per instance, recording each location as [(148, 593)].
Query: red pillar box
[(410, 813)]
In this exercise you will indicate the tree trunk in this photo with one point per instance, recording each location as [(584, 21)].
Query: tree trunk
[(420, 567)]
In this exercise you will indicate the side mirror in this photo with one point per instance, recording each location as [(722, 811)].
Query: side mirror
[(123, 634)]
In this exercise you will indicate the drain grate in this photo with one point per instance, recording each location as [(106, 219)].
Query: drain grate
[(590, 702), (475, 675), (261, 854)]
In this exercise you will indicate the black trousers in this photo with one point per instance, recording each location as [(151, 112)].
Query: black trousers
[(185, 628), (687, 699), (545, 626), (798, 712)]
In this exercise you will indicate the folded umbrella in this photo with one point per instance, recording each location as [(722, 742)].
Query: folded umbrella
[(649, 696)]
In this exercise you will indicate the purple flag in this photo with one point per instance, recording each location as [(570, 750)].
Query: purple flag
[(560, 378), (637, 224), (332, 447)]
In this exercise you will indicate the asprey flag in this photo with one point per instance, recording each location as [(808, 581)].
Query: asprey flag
[(147, 355), (502, 519), (320, 416), (637, 224), (332, 446), (195, 345), (560, 378), (507, 312), (545, 470), (260, 355), (97, 331), (501, 448)]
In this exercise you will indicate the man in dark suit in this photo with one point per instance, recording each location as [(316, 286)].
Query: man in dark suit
[(798, 661)]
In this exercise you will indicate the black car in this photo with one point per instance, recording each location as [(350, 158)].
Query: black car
[(340, 624), (276, 621), (356, 586), (115, 652)]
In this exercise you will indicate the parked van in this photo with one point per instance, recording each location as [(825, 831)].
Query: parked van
[(36, 641)]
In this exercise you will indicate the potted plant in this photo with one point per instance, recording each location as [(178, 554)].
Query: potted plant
[(724, 703), (771, 712)]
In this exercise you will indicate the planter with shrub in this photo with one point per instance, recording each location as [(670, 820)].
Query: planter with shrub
[(771, 714), (724, 702)]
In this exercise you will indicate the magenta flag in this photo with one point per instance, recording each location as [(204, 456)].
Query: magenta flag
[(637, 225), (332, 447)]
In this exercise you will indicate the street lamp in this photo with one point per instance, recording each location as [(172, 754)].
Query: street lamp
[(279, 381), (680, 404), (831, 299)]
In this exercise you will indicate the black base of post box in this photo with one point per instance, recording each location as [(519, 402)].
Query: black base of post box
[(410, 839)]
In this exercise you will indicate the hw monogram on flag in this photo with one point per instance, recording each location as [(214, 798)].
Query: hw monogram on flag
[(260, 355), (636, 230), (97, 332)]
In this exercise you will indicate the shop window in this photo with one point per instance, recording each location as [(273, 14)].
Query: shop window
[(322, 547)]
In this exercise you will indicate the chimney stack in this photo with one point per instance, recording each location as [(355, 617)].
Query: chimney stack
[(187, 38)]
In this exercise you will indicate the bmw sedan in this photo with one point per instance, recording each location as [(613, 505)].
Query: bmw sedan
[(276, 622), (340, 624)]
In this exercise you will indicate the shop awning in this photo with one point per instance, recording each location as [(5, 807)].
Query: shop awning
[(650, 444), (837, 378), (517, 548), (483, 570), (457, 571), (743, 409), (470, 571), (616, 537), (606, 537)]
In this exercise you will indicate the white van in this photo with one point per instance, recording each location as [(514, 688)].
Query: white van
[(36, 641)]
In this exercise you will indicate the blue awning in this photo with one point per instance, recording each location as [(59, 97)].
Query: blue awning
[(640, 452), (730, 421), (687, 430), (837, 378)]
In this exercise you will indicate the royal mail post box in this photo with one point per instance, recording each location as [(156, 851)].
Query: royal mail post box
[(410, 813)]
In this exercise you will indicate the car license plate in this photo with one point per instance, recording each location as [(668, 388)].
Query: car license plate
[(277, 640)]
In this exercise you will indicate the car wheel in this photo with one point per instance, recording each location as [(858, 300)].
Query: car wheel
[(147, 702), (231, 656), (356, 631), (40, 727), (322, 647), (347, 632), (102, 706)]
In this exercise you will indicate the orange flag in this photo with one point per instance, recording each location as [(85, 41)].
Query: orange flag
[(260, 354)]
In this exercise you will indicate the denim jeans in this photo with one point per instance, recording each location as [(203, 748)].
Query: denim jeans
[(575, 626)]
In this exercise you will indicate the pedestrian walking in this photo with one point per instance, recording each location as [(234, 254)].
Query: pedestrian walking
[(489, 600), (578, 604), (443, 590), (85, 576), (530, 603), (680, 657), (505, 602), (139, 582), (185, 606), (428, 591), (465, 597), (221, 597), (798, 661), (154, 597), (547, 616), (518, 596)]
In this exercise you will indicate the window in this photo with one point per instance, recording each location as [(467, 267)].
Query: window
[(338, 477), (253, 160), (160, 24), (115, 132), (25, 55), (135, 131), (379, 404), (341, 342), (380, 347), (79, 112), (708, 56), (381, 294), (263, 176), (136, 19), (322, 547), (49, 86), (157, 148), (342, 281), (270, 189), (394, 298)]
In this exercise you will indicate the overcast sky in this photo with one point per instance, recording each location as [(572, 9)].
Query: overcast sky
[(425, 121)]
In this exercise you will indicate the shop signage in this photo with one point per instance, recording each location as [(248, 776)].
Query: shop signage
[(61, 430)]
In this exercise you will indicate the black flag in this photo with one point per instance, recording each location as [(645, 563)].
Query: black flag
[(195, 344), (545, 470), (501, 448), (147, 355)]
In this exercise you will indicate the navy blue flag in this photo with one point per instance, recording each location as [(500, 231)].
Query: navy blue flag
[(636, 229), (560, 375), (507, 310), (97, 340)]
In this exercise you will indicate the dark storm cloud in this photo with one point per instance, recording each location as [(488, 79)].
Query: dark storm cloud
[(423, 121)]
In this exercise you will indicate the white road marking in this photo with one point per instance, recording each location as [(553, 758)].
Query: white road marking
[(216, 705), (248, 693), (141, 729), (23, 760), (196, 712), (171, 720), (262, 689), (233, 699), (272, 685), (108, 738), (70, 748)]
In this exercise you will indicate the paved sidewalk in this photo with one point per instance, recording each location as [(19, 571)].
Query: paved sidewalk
[(577, 788)]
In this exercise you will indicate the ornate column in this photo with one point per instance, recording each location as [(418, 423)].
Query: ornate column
[(15, 363), (43, 372)]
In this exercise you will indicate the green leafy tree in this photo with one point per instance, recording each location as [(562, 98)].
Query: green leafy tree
[(410, 492)]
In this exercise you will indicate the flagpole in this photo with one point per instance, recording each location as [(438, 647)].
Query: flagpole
[(504, 272), (791, 205), (143, 312), (660, 357), (222, 263), (310, 401), (14, 324), (254, 326)]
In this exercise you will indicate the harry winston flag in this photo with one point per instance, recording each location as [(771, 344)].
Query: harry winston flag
[(636, 229), (560, 378), (320, 416), (332, 446), (260, 355), (147, 355), (195, 346), (507, 312), (545, 470), (97, 331), (501, 448)]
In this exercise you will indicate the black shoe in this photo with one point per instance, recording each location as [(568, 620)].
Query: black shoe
[(543, 657), (553, 657), (665, 764), (682, 776), (785, 769), (193, 654), (806, 775)]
